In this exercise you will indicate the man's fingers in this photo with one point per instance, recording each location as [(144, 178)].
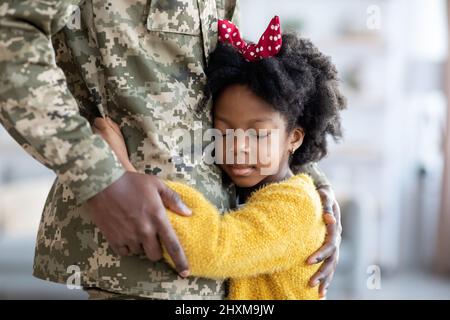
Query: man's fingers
[(172, 201), (324, 252), (337, 214), (327, 200), (170, 241), (135, 248), (326, 269), (328, 218), (323, 288), (152, 247), (333, 232), (327, 205), (122, 250), (329, 247)]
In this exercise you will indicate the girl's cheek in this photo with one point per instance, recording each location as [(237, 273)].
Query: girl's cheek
[(220, 150), (272, 155), (220, 153), (265, 153)]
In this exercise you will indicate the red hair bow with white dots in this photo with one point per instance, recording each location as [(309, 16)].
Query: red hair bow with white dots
[(268, 45)]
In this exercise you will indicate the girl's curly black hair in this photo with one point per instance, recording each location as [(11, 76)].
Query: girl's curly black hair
[(300, 82)]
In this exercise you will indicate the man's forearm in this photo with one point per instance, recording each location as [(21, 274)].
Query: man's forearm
[(37, 108)]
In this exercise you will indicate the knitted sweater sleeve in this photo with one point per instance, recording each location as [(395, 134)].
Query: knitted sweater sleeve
[(279, 227)]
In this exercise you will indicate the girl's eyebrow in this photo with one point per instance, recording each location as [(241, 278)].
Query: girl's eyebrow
[(261, 120)]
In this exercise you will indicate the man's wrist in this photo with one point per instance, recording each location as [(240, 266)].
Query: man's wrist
[(97, 186)]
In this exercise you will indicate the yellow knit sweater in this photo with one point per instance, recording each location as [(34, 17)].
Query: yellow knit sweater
[(262, 247)]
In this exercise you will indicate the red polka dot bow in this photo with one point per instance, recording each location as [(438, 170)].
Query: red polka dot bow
[(268, 45)]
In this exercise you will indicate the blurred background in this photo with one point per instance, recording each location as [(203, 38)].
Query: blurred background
[(391, 173)]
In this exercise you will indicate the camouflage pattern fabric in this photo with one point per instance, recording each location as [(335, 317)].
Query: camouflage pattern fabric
[(100, 294), (140, 62)]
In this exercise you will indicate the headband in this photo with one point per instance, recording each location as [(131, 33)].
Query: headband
[(268, 45)]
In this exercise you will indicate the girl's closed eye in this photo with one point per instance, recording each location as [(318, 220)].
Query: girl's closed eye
[(259, 134), (252, 133)]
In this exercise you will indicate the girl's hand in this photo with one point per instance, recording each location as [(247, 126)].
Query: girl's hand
[(329, 252), (110, 132)]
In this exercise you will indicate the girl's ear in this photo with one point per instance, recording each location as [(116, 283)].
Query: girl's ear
[(296, 138)]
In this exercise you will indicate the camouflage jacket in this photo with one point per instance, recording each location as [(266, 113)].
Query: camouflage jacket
[(141, 62)]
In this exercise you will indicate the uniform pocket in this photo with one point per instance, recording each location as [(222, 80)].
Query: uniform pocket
[(176, 16)]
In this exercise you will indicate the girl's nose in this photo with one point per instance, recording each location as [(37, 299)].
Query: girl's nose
[(241, 145)]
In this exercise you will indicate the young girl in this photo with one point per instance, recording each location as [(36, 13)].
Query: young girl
[(285, 85)]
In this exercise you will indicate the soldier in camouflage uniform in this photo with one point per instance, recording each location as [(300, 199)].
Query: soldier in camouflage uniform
[(140, 62)]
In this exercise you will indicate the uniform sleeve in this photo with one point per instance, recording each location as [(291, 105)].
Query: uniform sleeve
[(279, 227), (36, 107), (319, 178)]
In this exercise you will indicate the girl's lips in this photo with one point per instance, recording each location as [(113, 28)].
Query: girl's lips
[(241, 170)]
